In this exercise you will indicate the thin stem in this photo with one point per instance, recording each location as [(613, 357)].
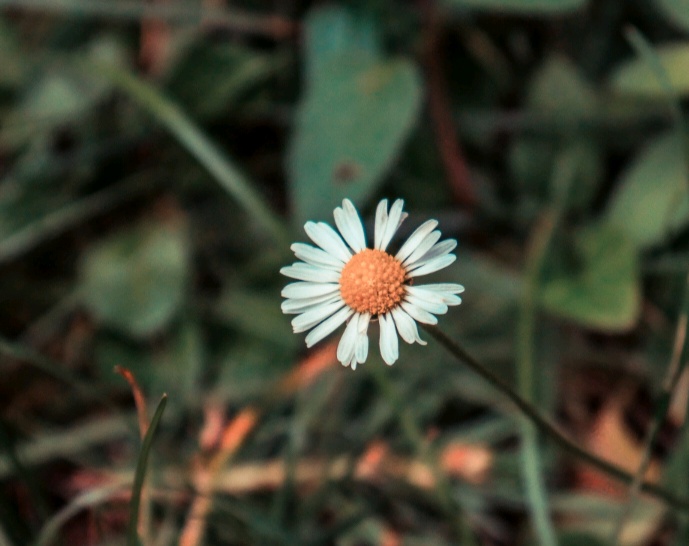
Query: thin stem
[(545, 425), (672, 376)]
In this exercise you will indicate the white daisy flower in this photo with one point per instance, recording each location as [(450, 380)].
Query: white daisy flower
[(345, 281)]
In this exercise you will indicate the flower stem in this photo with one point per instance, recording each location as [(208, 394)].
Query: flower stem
[(550, 429)]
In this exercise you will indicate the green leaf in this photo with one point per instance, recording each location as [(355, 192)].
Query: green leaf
[(637, 78), (652, 198), (677, 11), (353, 118), (558, 88), (600, 286), (333, 31), (135, 281), (526, 7)]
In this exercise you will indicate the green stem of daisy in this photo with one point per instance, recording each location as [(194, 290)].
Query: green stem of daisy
[(414, 436), (550, 429)]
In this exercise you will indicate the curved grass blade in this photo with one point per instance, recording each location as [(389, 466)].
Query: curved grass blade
[(132, 536), (171, 116), (89, 499)]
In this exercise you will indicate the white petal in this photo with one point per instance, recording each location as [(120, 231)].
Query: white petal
[(424, 246), (389, 345), (316, 256), (435, 307), (433, 265), (364, 319), (310, 318), (347, 345), (349, 224), (419, 315), (308, 272), (328, 326), (406, 326), (353, 364), (328, 239), (381, 222), (415, 238), (392, 224), (443, 287), (308, 289), (361, 351), (442, 248), (422, 292), (301, 305), (431, 293)]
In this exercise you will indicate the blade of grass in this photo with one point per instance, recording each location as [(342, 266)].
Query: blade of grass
[(56, 222), (94, 497), (530, 456), (677, 362), (175, 120), (140, 474), (67, 443), (541, 238)]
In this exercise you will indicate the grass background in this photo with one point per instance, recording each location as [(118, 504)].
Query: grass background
[(156, 161)]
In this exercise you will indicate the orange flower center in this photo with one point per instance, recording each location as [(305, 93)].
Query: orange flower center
[(372, 282)]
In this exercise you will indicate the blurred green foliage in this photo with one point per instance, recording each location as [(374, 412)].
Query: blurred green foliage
[(154, 156)]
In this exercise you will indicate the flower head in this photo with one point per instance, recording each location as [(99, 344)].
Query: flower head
[(342, 280)]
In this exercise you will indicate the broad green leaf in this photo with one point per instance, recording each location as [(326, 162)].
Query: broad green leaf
[(332, 31), (677, 11), (652, 196), (354, 115), (135, 281), (600, 286), (636, 77), (526, 7)]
